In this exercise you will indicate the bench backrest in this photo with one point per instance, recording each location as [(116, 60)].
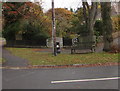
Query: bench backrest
[(84, 42)]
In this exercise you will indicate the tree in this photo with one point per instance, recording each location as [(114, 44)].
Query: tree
[(63, 18), (36, 24), (77, 21), (11, 14), (90, 14), (107, 25), (11, 11), (26, 18)]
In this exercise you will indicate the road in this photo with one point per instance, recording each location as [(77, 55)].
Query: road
[(98, 78)]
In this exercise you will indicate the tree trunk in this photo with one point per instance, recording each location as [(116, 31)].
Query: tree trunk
[(107, 25), (90, 14)]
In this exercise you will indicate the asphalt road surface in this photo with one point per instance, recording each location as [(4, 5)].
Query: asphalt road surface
[(104, 77)]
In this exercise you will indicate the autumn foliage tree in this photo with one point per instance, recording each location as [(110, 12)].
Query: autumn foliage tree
[(11, 15), (63, 20), (26, 18), (116, 23), (36, 24)]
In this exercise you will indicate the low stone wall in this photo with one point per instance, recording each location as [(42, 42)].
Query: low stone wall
[(116, 35), (116, 42), (2, 42), (49, 42), (116, 39)]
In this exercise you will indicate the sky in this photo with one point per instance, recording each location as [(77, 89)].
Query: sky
[(61, 4), (46, 4)]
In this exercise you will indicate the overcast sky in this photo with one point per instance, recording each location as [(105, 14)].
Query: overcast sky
[(61, 4), (46, 4)]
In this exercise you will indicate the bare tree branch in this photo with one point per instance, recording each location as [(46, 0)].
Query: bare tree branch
[(85, 12)]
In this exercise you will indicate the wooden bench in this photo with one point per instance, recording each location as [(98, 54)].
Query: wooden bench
[(83, 43)]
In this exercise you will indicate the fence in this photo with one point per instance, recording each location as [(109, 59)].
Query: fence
[(25, 43)]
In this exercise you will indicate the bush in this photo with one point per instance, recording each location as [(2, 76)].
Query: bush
[(12, 29), (115, 49), (34, 31), (116, 23)]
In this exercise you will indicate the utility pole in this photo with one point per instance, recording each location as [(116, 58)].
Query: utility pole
[(53, 30)]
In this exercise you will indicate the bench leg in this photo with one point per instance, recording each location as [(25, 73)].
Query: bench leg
[(93, 49), (74, 50), (71, 51)]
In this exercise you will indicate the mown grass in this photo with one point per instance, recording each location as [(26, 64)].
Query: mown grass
[(40, 58)]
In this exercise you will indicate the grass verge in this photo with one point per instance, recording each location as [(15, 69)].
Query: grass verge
[(40, 58), (2, 60)]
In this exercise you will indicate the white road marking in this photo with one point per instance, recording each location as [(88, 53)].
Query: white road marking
[(13, 68), (84, 80)]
